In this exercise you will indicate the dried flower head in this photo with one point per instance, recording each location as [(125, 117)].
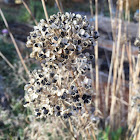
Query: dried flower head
[(61, 87), (56, 90), (61, 37)]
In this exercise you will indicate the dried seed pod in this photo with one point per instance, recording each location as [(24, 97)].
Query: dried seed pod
[(52, 91), (55, 39), (61, 87)]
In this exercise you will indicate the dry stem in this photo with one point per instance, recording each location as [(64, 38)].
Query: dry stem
[(91, 8), (97, 102), (59, 4), (14, 42), (29, 11), (45, 10), (116, 64), (67, 128)]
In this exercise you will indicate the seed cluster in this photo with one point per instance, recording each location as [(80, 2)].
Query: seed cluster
[(57, 90), (61, 37), (61, 87)]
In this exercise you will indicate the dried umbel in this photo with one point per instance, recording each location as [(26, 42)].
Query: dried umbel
[(61, 87), (59, 90), (61, 37)]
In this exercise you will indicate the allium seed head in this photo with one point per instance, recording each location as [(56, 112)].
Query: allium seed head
[(61, 37), (61, 87)]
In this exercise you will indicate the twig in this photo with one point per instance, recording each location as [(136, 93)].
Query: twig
[(119, 83), (116, 64), (111, 17), (29, 11), (60, 7), (93, 134), (120, 71), (91, 68), (97, 102), (71, 129), (14, 42), (112, 57), (122, 95), (67, 128), (91, 8), (129, 54), (109, 77), (45, 10)]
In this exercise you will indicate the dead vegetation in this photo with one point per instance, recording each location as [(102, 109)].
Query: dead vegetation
[(117, 99)]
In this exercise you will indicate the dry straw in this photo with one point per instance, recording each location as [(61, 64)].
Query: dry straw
[(112, 59), (14, 42), (116, 64), (29, 11), (97, 102), (45, 10), (59, 4)]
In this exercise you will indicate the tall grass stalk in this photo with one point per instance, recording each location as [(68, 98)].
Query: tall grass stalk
[(112, 58), (91, 8), (45, 10), (29, 11), (97, 102), (14, 42), (116, 64), (59, 4)]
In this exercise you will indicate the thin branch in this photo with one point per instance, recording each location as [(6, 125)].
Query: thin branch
[(116, 64), (45, 10), (97, 103), (29, 11), (67, 128), (120, 70), (60, 7), (93, 134), (71, 129), (112, 57), (14, 42), (91, 8)]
